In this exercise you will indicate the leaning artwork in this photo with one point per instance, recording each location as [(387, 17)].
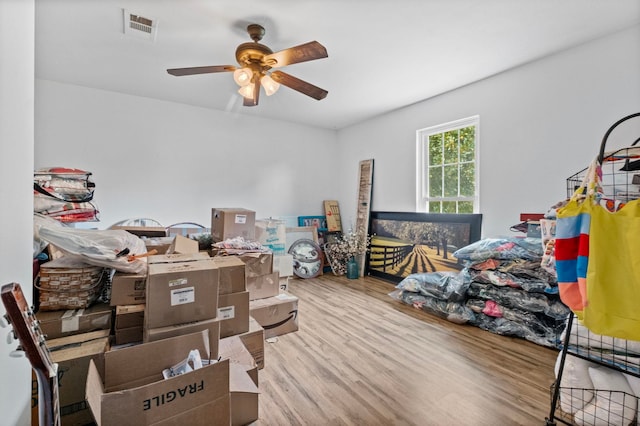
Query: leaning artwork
[(408, 243)]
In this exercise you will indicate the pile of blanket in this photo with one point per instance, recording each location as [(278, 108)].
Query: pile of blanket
[(64, 194), (502, 288)]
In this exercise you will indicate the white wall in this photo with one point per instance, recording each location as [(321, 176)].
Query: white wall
[(173, 163), (16, 165), (539, 124)]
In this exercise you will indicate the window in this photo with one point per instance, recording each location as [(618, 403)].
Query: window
[(447, 167)]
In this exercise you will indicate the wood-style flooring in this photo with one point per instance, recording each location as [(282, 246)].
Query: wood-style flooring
[(362, 358)]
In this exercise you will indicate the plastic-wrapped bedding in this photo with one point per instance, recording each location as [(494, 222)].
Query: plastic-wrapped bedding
[(539, 324), (516, 328), (502, 279), (519, 299), (502, 249), (451, 311), (446, 285)]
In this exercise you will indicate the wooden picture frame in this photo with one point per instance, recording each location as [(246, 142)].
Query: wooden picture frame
[(406, 243)]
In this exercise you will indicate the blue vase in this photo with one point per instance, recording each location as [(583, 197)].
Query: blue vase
[(353, 272)]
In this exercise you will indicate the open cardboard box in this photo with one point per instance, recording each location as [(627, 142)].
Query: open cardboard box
[(132, 390)]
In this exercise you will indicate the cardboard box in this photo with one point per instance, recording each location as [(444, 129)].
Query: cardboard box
[(128, 289), (143, 231), (129, 316), (233, 313), (177, 257), (212, 326), (235, 351), (272, 233), (278, 315), (187, 231), (257, 264), (283, 284), (134, 392), (253, 340), (127, 335), (232, 222), (244, 396), (283, 265), (55, 324), (183, 245), (73, 354), (159, 244), (178, 293), (232, 274), (263, 286), (243, 380)]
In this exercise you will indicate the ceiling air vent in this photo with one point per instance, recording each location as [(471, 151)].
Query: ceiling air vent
[(138, 26)]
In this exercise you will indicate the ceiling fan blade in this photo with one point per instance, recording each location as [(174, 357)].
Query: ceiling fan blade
[(293, 55), (299, 85), (200, 70), (256, 95)]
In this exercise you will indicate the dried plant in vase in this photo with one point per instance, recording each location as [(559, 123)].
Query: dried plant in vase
[(346, 247)]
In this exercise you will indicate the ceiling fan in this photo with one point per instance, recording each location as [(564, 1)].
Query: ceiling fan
[(255, 60)]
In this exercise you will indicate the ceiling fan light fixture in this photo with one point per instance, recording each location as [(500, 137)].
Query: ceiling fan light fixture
[(243, 76), (247, 90), (270, 86)]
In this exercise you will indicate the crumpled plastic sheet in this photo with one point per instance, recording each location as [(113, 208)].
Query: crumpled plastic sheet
[(98, 247)]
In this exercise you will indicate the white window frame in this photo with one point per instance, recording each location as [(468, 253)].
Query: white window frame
[(422, 162)]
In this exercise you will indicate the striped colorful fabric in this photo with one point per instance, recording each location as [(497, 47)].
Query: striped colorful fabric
[(572, 253)]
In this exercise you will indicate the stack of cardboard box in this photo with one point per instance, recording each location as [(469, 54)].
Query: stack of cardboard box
[(181, 297), (275, 311), (185, 300)]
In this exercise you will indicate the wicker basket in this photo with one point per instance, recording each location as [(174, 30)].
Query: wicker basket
[(68, 283)]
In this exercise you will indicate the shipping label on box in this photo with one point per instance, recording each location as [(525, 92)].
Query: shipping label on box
[(233, 313), (277, 315), (231, 274), (179, 293), (229, 223), (263, 286), (128, 289)]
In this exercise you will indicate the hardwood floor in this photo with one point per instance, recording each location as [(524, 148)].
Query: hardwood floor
[(362, 358)]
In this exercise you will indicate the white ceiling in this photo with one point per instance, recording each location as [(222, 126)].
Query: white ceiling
[(383, 54)]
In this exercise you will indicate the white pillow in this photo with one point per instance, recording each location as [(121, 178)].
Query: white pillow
[(575, 385), (614, 402)]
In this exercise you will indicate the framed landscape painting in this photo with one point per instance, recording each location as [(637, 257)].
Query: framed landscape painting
[(408, 243)]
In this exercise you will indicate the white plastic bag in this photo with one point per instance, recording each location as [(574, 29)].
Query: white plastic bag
[(99, 247)]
